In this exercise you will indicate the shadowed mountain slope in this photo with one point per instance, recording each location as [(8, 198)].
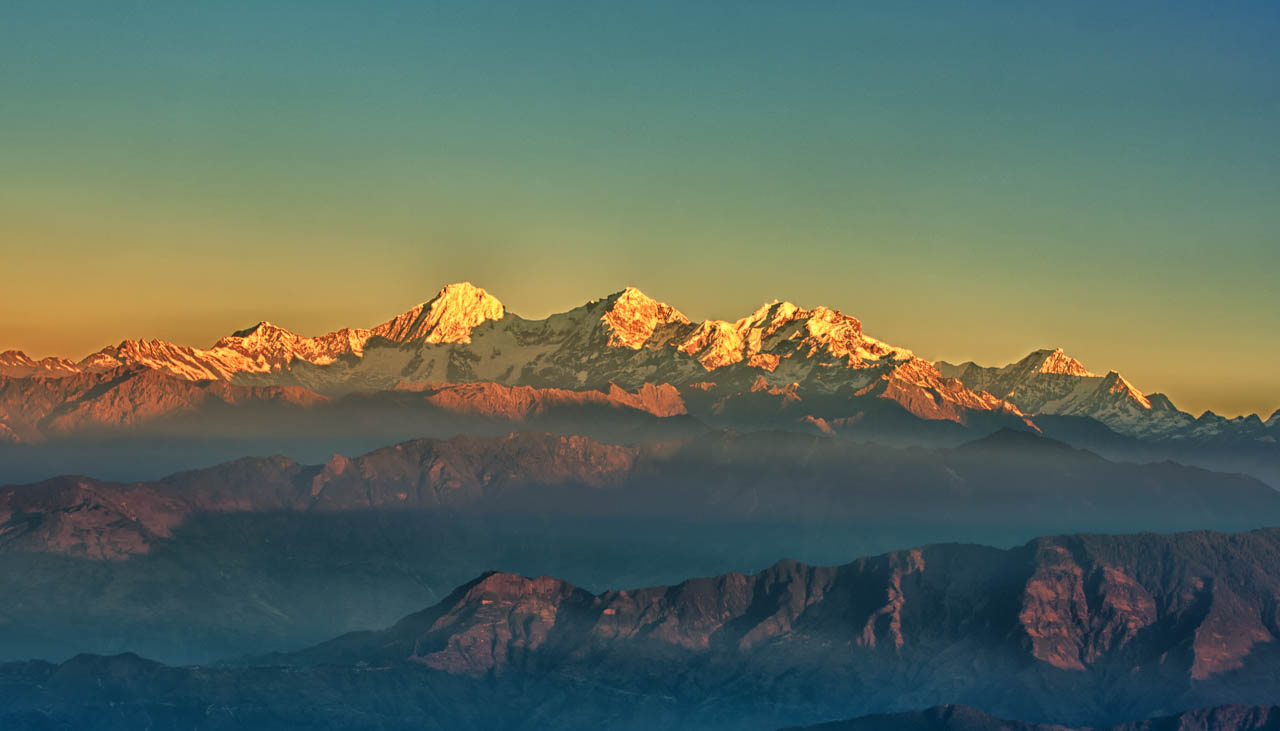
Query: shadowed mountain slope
[(1008, 478), (269, 552), (1079, 630)]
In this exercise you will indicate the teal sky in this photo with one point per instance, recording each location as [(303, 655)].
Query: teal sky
[(972, 180)]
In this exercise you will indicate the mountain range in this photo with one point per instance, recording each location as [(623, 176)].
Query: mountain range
[(1078, 630), (259, 550), (457, 457), (461, 363)]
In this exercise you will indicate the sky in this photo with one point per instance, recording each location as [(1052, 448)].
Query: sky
[(971, 180)]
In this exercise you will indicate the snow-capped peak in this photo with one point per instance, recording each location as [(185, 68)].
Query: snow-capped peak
[(778, 330), (1119, 385), (262, 330), (1062, 364), (16, 363), (631, 317), (1054, 362), (446, 318), (771, 316), (269, 346), (16, 358), (783, 341), (840, 333), (1048, 382)]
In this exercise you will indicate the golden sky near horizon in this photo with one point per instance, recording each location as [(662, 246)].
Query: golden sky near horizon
[(972, 185)]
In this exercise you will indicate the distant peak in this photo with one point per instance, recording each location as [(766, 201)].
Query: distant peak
[(466, 297), (507, 587), (448, 317), (633, 297), (781, 329), (770, 316), (1161, 402), (633, 293), (1056, 362), (1017, 439), (632, 317), (1118, 384), (461, 289), (1060, 363), (826, 322), (262, 328), (780, 308)]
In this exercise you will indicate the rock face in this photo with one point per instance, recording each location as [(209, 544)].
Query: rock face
[(1179, 610), (140, 401), (1084, 630), (518, 403)]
